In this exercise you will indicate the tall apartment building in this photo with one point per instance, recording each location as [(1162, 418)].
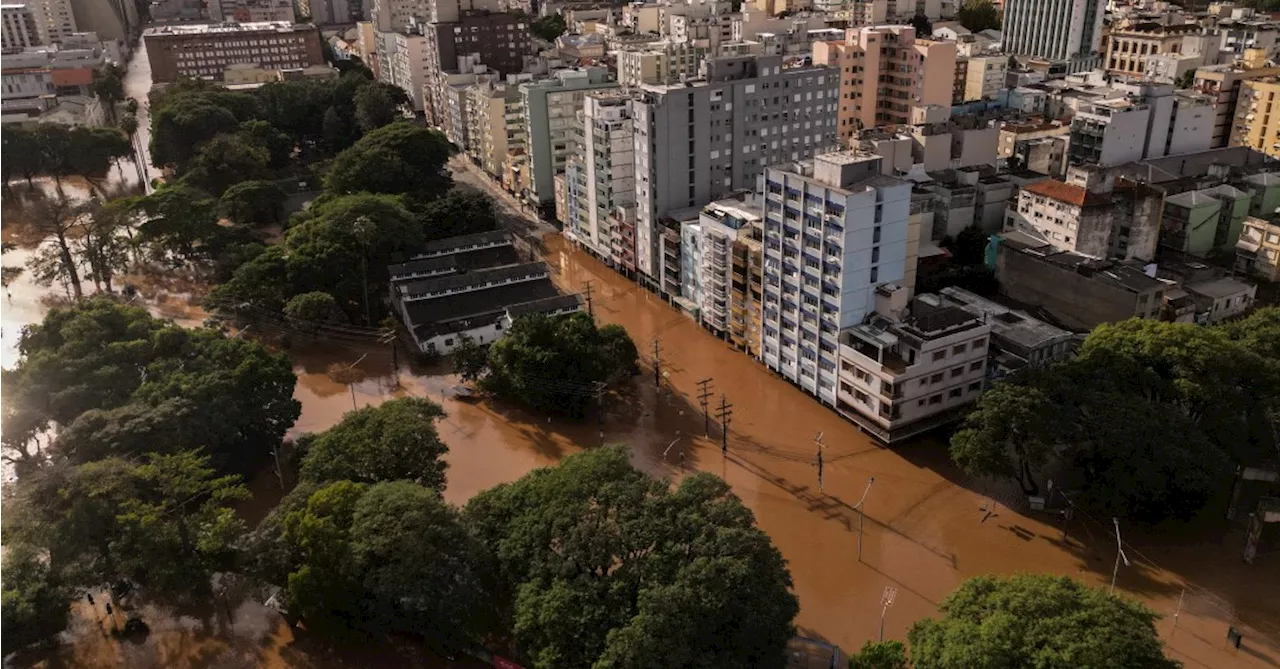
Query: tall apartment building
[(488, 106), (19, 28), (205, 50), (109, 19), (54, 19), (607, 169), (247, 11), (731, 270), (551, 119), (408, 66), (884, 73), (699, 141), (394, 15), (1222, 83), (1121, 221), (1257, 116), (1056, 30), (984, 77), (835, 229), (499, 41)]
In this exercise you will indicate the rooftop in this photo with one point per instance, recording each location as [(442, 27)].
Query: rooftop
[(463, 242), (1218, 288), (474, 279), (1065, 192), (1120, 275), (460, 311), (226, 27), (1023, 330), (462, 261)]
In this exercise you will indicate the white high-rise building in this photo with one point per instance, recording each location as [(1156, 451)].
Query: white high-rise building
[(608, 163), (1057, 30), (835, 228)]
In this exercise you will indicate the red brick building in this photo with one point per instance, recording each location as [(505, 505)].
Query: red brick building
[(204, 51)]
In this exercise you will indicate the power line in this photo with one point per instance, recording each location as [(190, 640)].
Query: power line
[(724, 415), (704, 392), (657, 363)]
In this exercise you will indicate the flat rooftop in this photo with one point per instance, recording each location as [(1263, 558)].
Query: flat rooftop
[(1022, 329), (227, 27)]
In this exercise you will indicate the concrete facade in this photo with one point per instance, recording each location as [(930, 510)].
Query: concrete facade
[(697, 142), (551, 109), (205, 50), (835, 229), (19, 28), (1058, 30)]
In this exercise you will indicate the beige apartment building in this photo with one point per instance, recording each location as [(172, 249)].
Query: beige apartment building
[(984, 77), (1257, 118), (487, 124), (659, 63), (885, 72)]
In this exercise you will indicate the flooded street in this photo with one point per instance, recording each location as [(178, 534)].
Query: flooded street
[(926, 528)]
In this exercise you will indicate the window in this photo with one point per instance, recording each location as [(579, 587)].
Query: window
[(936, 399), (861, 397), (979, 343), (957, 349), (975, 386), (936, 378), (939, 355), (921, 403), (975, 366), (448, 342), (957, 371), (955, 392)]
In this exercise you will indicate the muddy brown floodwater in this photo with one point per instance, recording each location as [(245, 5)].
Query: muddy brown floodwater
[(926, 528)]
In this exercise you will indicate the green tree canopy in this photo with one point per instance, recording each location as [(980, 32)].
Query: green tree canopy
[(394, 441), (120, 382), (261, 134), (252, 203), (181, 222), (308, 310), (164, 523), (388, 557), (880, 655), (108, 86), (549, 27), (459, 212), (1147, 420), (555, 363), (35, 603), (600, 565), (226, 160), (183, 119), (323, 252), (397, 158), (1049, 622), (978, 15), (378, 104)]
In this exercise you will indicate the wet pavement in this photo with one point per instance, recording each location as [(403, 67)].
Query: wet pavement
[(926, 527)]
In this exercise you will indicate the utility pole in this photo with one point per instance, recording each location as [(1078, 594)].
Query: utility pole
[(818, 440), (657, 363), (724, 415), (862, 515), (587, 289), (1119, 556), (704, 393)]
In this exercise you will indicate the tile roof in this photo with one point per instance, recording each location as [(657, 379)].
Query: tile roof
[(1065, 192)]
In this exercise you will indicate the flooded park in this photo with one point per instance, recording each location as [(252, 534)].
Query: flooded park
[(926, 526)]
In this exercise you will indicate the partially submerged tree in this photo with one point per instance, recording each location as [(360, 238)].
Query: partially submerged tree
[(395, 441), (600, 565), (1051, 622), (559, 364)]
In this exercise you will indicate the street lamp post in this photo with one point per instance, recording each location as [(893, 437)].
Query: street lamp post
[(862, 514), (1119, 556)]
